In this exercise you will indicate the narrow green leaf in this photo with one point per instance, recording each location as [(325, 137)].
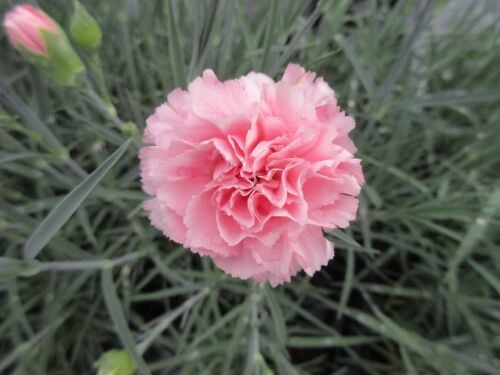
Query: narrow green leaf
[(227, 44), (329, 342), (344, 237), (410, 369), (490, 277), (126, 49), (436, 354), (399, 64), (8, 158), (449, 98), (396, 172), (344, 241), (81, 265), (364, 74), (233, 346), (246, 33), (164, 294), (221, 323), (9, 97), (206, 35), (68, 205), (175, 47), (473, 236), (276, 314), (284, 366), (394, 290), (253, 350), (167, 319), (321, 7), (10, 267), (65, 247), (9, 359), (269, 36), (116, 312), (348, 282)]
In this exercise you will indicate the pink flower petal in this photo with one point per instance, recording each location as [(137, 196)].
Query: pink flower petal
[(250, 171), (312, 250), (166, 220)]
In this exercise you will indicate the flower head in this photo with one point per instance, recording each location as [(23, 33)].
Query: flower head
[(250, 171), (24, 25)]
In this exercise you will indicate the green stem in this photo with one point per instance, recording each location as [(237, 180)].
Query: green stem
[(253, 354), (90, 264), (101, 105), (96, 66)]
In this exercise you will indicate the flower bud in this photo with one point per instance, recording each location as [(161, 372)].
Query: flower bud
[(129, 129), (24, 25), (84, 29), (40, 39), (115, 362)]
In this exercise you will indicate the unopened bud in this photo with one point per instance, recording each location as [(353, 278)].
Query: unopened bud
[(42, 41), (129, 129), (84, 29), (115, 362)]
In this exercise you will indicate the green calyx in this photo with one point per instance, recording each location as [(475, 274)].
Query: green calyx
[(129, 129), (84, 29), (60, 62)]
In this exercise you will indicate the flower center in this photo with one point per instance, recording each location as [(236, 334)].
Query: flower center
[(255, 179)]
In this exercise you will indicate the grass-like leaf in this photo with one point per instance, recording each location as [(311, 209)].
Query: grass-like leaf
[(329, 342), (175, 46), (116, 312), (68, 205), (276, 315), (268, 37), (167, 319)]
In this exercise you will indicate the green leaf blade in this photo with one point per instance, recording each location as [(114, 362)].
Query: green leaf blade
[(68, 205), (118, 317)]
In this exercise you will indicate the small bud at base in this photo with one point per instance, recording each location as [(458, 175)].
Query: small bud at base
[(114, 362)]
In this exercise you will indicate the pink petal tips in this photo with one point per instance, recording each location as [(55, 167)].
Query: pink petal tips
[(250, 171), (24, 24)]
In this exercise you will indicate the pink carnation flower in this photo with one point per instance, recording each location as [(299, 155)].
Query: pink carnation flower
[(24, 25), (250, 171)]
